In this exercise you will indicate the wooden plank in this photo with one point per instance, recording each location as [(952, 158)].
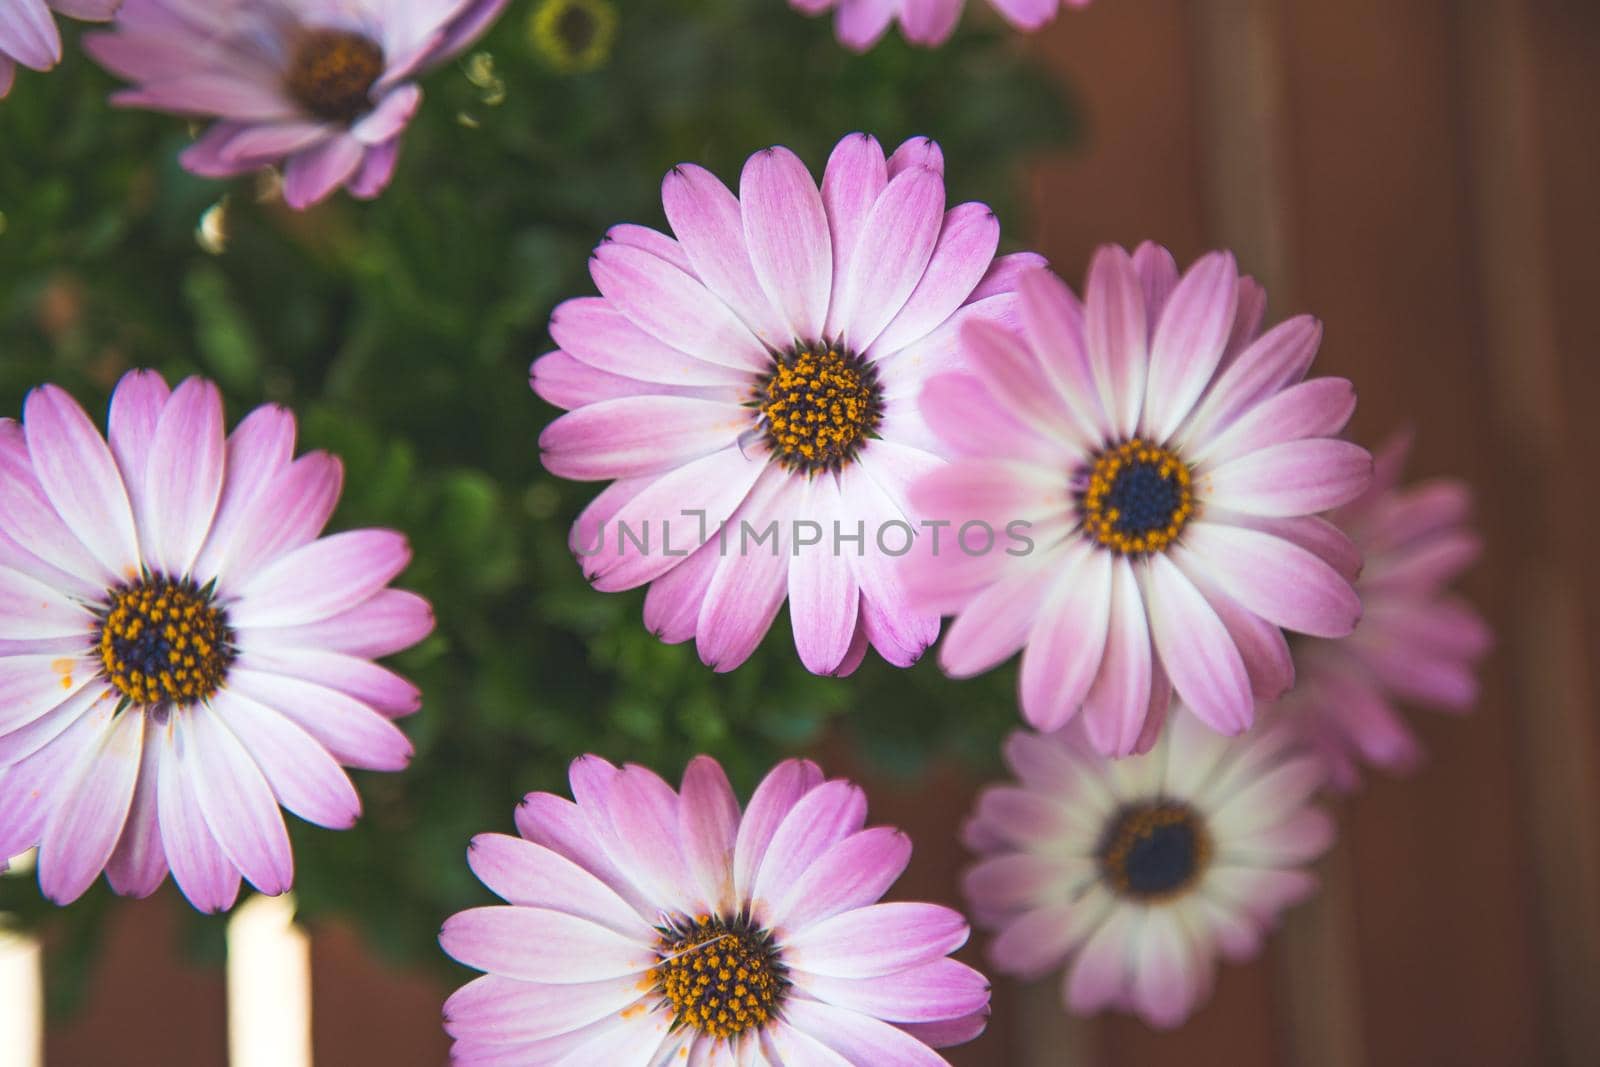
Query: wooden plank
[(146, 1006)]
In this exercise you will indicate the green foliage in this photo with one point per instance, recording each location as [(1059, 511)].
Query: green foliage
[(401, 331)]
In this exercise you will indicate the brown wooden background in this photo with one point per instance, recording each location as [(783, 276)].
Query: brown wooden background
[(1423, 175)]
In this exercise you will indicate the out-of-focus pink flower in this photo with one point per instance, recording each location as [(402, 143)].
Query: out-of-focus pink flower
[(1165, 466), (645, 926), (28, 33), (860, 23), (1416, 642), (1138, 874), (180, 652), (325, 87), (759, 373)]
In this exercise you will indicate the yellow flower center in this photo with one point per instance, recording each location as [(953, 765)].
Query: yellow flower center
[(719, 977), (818, 406), (1138, 498), (163, 642), (1155, 851), (332, 74)]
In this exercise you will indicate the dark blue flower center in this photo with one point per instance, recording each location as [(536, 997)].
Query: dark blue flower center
[(1155, 851), (1137, 498), (162, 641)]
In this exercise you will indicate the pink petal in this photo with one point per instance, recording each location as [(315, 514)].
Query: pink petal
[(971, 422), (1114, 710), (1188, 341), (1065, 647), (898, 630), (961, 256), (376, 171), (655, 242), (819, 820), (353, 733), (310, 176), (1294, 478), (771, 803), (131, 429), (643, 812), (540, 945), (1038, 941), (1277, 359), (1281, 582), (1004, 272), (672, 517), (88, 819), (1053, 321), (1117, 338), (1158, 275), (199, 866), (320, 579), (916, 152), (877, 940), (859, 1039), (263, 145), (931, 22), (855, 176), (28, 34), (891, 255), (705, 216), (1166, 977), (259, 447), (672, 604), (786, 232), (823, 595), (1013, 375), (76, 471), (183, 478), (673, 307), (1097, 978), (385, 623), (561, 826), (237, 803), (303, 777), (860, 23), (943, 989), (708, 827), (287, 514), (638, 435), (498, 1010), (995, 624), (389, 118), (378, 687), (1261, 644), (1318, 408), (31, 610), (532, 876), (851, 873), (1196, 649), (139, 864), (44, 547), (751, 581)]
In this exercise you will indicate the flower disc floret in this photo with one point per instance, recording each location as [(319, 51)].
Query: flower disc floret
[(721, 977), (332, 73), (163, 641), (818, 406), (1139, 498)]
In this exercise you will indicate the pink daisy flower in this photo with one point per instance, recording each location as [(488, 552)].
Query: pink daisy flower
[(28, 33), (1416, 642), (325, 87), (860, 23), (1138, 873), (645, 926), (180, 653), (1160, 466), (760, 371)]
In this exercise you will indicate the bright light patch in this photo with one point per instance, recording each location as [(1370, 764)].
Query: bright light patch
[(21, 992), (269, 986)]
